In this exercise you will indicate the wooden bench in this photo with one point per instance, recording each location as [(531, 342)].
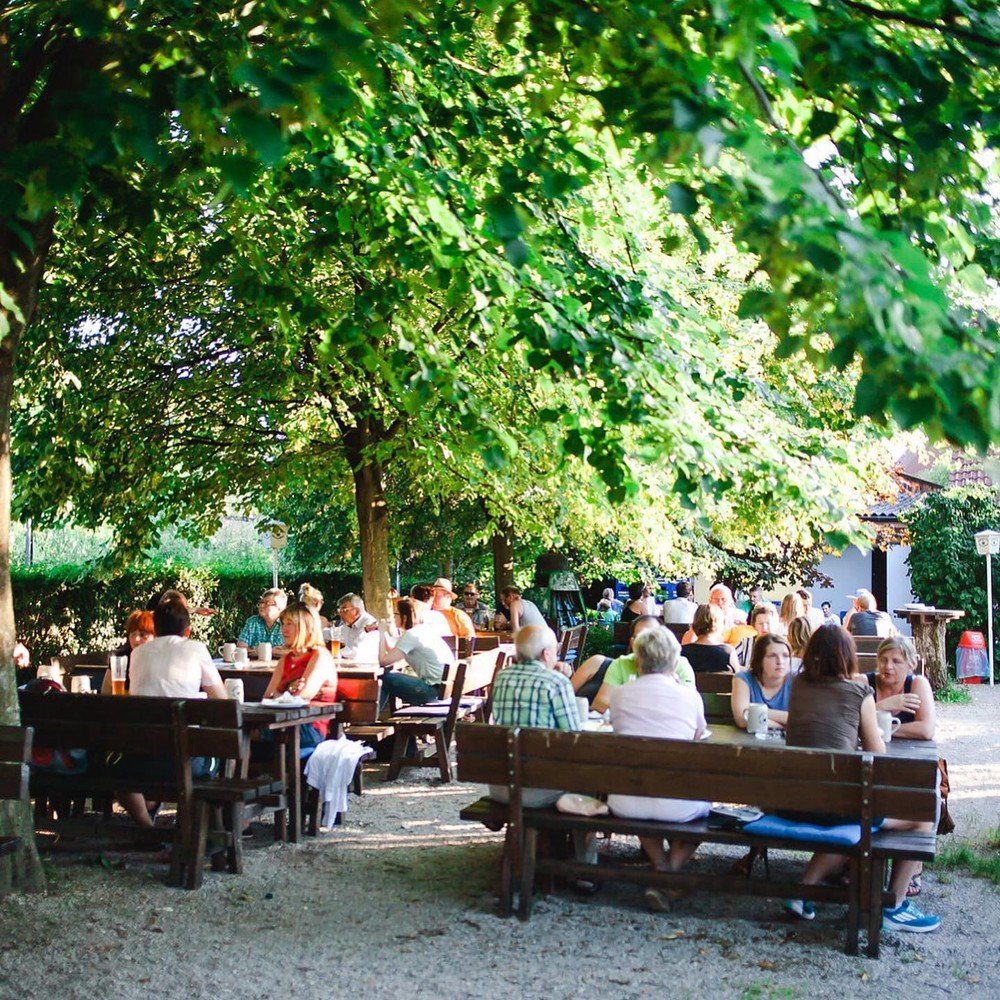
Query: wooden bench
[(177, 729), (15, 753), (571, 644), (435, 720), (773, 778)]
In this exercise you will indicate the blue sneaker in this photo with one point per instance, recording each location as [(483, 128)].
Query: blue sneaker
[(802, 908), (906, 917)]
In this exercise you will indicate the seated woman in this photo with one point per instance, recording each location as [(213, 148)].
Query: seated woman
[(656, 705), (422, 649), (900, 691), (708, 654), (766, 682), (800, 630), (792, 607), (139, 629), (307, 669), (635, 607), (831, 711)]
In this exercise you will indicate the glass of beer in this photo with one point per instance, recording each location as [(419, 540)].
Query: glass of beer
[(119, 672), (335, 642)]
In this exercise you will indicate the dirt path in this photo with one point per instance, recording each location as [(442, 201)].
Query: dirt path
[(399, 903)]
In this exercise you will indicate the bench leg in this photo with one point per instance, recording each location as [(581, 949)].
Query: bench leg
[(398, 748), (220, 860), (506, 877), (853, 908), (196, 857), (234, 852), (875, 907), (359, 780), (527, 889), (444, 761)]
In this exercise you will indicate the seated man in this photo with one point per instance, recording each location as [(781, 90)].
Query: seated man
[(530, 692), (358, 629), (264, 626), (867, 619), (480, 613), (680, 610), (172, 665), (623, 669), (458, 621)]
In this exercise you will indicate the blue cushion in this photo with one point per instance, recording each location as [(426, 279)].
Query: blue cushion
[(842, 835)]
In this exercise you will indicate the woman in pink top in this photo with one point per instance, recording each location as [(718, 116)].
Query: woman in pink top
[(655, 704)]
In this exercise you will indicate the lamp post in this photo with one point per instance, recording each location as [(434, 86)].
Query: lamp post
[(988, 544)]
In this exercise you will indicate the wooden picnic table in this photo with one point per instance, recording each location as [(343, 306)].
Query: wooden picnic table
[(284, 723)]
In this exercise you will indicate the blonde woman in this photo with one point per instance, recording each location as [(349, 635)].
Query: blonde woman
[(307, 669), (792, 607), (312, 598), (799, 631)]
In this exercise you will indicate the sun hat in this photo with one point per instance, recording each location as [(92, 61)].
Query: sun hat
[(441, 583)]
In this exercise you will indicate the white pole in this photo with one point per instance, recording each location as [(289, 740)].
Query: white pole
[(989, 609), (274, 568)]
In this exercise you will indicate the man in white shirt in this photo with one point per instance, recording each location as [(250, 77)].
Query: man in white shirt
[(172, 665), (815, 616), (680, 611), (358, 630)]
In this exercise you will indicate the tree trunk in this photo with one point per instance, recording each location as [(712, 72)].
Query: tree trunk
[(502, 544), (19, 280), (373, 521)]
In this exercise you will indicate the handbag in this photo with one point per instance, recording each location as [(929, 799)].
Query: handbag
[(945, 823)]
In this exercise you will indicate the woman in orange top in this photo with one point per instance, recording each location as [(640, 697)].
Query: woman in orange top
[(307, 669)]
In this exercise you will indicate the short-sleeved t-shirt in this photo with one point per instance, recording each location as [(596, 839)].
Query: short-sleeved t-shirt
[(625, 668), (425, 651), (779, 702), (171, 666)]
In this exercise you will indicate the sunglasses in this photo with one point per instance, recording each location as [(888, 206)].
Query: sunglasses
[(470, 593)]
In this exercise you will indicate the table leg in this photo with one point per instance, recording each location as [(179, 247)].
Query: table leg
[(280, 769), (294, 783)]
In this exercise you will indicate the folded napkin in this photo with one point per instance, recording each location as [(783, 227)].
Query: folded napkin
[(285, 700)]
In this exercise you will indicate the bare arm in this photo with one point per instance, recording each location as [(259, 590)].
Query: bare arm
[(274, 684), (387, 652), (739, 701), (871, 736), (515, 609), (924, 725), (602, 698), (319, 671), (586, 671)]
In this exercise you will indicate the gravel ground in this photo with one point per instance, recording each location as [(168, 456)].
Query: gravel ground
[(399, 902)]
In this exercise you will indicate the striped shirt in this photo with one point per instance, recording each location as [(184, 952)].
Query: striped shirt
[(532, 694)]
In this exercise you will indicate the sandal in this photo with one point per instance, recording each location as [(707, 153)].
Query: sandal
[(913, 889)]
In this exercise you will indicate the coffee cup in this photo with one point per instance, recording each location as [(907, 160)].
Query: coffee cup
[(755, 716), (583, 707), (888, 724), (234, 689), (241, 655), (264, 652), (80, 684), (228, 651)]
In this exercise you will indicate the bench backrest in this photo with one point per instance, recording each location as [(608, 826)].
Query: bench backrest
[(622, 633), (359, 696), (773, 778), (131, 724), (15, 752), (678, 629), (714, 683)]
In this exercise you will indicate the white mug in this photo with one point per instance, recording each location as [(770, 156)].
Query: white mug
[(264, 652), (583, 707), (234, 689), (228, 651), (755, 716), (241, 655), (888, 723), (80, 684)]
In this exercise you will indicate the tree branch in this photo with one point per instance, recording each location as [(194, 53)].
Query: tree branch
[(940, 27)]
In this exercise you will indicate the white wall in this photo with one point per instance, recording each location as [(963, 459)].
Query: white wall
[(853, 569)]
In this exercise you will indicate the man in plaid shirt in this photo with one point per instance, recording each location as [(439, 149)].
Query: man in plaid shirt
[(531, 692)]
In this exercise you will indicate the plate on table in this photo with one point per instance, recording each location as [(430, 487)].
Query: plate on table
[(285, 701)]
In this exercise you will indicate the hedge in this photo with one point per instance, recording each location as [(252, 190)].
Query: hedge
[(61, 611)]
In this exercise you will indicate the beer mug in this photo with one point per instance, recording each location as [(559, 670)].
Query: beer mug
[(228, 651), (264, 652), (888, 723), (234, 689), (80, 684), (583, 707), (755, 716), (241, 655)]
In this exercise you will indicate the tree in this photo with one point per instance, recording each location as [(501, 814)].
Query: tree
[(111, 112)]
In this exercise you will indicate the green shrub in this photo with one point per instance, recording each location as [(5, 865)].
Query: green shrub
[(67, 609), (945, 569), (599, 641)]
